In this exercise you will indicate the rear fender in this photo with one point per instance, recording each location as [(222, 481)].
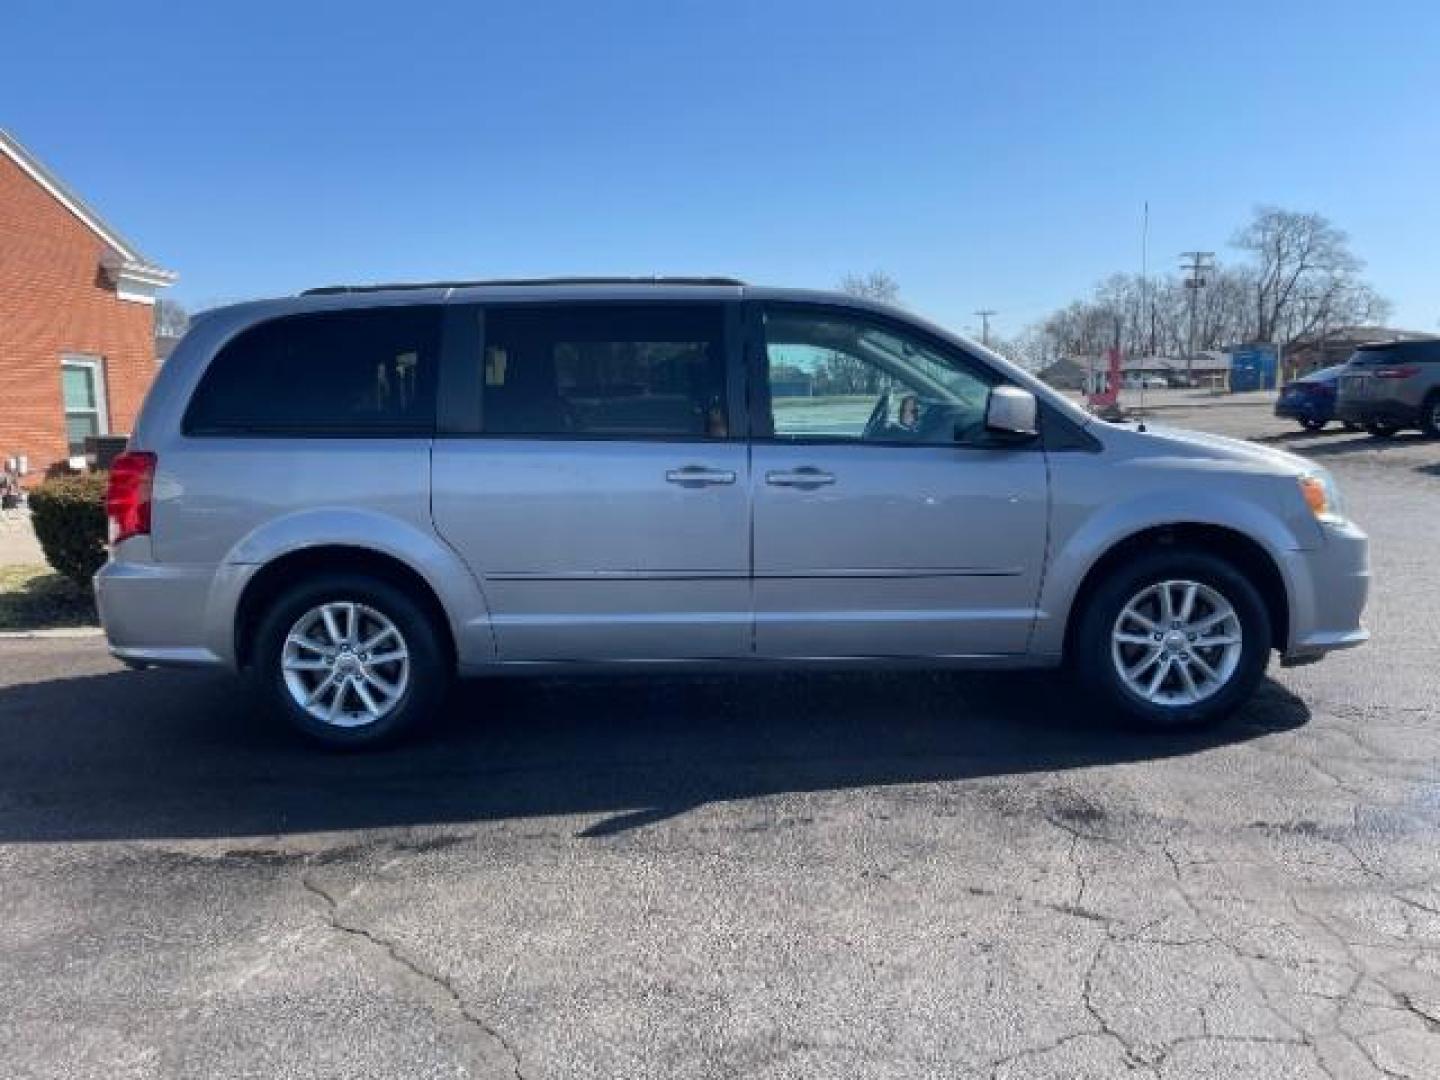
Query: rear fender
[(459, 592)]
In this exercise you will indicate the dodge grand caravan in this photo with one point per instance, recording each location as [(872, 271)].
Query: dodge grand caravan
[(354, 495)]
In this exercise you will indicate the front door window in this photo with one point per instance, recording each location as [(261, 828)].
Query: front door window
[(832, 376)]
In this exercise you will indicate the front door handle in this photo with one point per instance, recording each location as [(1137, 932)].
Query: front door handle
[(807, 477), (694, 476)]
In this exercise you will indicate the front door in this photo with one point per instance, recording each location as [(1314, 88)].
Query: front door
[(887, 521), (600, 494)]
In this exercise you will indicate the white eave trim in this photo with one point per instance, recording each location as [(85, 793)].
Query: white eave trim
[(141, 282), (135, 277)]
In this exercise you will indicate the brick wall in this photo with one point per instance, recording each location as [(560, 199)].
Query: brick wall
[(51, 303)]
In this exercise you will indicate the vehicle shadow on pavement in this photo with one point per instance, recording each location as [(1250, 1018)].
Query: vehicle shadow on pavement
[(1335, 441), (147, 755)]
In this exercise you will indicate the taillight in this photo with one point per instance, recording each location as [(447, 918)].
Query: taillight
[(127, 502), (1402, 371)]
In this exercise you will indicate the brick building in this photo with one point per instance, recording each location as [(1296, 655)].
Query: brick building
[(77, 338)]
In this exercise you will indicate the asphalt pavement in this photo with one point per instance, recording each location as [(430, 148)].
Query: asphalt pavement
[(763, 876)]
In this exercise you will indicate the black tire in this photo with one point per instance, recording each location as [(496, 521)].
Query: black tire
[(1430, 416), (1351, 425), (429, 671), (1381, 430), (1094, 666), (1312, 425)]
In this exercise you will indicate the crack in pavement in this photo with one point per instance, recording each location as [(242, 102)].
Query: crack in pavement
[(434, 989)]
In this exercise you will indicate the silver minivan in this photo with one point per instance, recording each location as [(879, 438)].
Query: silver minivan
[(354, 495)]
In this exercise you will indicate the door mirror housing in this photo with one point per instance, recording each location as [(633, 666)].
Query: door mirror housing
[(1011, 412)]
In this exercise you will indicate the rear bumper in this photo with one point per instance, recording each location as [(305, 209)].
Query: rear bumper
[(1329, 586), (1378, 411), (155, 614)]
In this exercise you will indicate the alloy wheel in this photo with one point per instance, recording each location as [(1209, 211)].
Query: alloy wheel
[(346, 664), (1176, 643)]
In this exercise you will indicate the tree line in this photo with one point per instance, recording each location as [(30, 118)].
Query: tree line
[(1296, 277)]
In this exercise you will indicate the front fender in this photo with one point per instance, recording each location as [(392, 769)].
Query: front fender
[(1083, 532), (421, 550)]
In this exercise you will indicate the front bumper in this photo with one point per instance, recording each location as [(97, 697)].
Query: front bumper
[(1303, 410), (1329, 586)]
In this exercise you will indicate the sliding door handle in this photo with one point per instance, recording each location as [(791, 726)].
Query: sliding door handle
[(807, 476), (694, 476)]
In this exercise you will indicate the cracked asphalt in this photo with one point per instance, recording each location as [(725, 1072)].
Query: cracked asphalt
[(768, 876)]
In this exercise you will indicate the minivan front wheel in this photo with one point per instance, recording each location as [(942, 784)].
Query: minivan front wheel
[(349, 661), (1177, 639)]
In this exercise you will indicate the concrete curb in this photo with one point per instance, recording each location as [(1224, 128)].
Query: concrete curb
[(58, 633)]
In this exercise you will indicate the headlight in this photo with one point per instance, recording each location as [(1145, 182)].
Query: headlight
[(1322, 496)]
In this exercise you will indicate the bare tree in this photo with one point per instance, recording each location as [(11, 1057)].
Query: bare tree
[(1304, 281), (841, 373), (1031, 349), (171, 320), (876, 285), (1305, 275)]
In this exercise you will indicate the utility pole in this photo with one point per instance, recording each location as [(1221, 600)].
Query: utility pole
[(1305, 326), (985, 326), (1195, 268)]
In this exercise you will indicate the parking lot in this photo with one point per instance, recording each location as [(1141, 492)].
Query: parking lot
[(908, 875)]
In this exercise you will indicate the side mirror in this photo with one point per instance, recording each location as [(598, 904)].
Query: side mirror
[(1011, 412)]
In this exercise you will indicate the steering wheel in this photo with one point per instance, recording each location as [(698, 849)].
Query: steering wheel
[(879, 417)]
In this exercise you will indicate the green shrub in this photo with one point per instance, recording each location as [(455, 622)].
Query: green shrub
[(69, 517)]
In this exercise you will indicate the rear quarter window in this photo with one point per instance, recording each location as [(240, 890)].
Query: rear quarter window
[(334, 373), (1401, 352)]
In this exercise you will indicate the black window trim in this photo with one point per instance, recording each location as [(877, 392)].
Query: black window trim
[(318, 431), (461, 403)]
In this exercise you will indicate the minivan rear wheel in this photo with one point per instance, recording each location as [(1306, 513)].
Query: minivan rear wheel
[(1176, 639), (349, 661)]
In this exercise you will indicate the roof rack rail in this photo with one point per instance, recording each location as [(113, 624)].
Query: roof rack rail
[(326, 290)]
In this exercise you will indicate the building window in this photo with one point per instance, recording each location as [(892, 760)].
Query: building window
[(83, 381)]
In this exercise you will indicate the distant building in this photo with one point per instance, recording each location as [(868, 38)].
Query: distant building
[(1206, 368), (1169, 368), (1209, 368), (1067, 373), (1311, 352), (77, 337)]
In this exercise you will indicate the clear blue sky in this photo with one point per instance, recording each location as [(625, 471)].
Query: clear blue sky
[(986, 155)]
